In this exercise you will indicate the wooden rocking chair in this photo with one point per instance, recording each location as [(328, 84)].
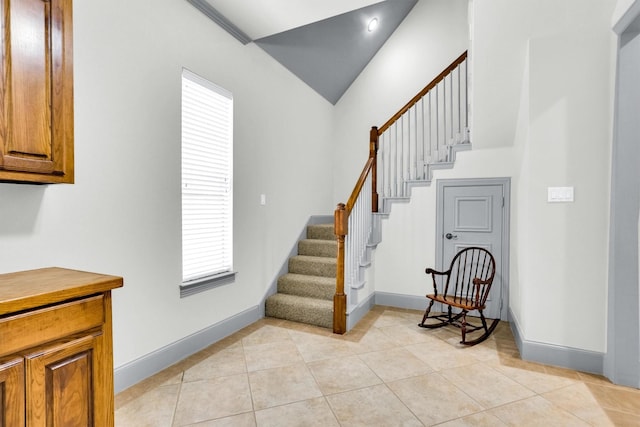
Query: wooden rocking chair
[(466, 287)]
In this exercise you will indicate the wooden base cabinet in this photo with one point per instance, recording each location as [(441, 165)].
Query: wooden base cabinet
[(56, 363)]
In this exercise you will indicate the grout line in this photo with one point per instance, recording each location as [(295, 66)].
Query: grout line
[(175, 406)]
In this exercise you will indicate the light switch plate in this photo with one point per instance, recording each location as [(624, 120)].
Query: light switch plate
[(559, 194)]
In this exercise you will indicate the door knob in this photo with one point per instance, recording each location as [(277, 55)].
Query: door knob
[(450, 236)]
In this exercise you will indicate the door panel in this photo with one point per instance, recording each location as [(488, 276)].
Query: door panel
[(60, 384), (28, 142), (473, 215), (12, 392)]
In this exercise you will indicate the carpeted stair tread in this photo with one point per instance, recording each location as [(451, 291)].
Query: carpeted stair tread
[(321, 232), (312, 265), (307, 286), (300, 309), (318, 247)]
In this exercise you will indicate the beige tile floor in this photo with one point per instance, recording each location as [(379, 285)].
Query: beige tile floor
[(386, 372)]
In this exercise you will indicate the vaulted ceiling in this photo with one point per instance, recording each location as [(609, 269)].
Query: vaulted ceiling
[(326, 43)]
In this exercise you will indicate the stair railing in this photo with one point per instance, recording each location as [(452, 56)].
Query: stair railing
[(420, 134), (354, 216), (424, 131)]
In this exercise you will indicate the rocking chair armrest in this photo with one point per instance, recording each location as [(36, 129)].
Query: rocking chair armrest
[(478, 281), (432, 271)]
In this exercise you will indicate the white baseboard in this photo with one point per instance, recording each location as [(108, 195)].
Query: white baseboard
[(358, 312), (555, 355), (135, 371), (548, 354), (412, 302)]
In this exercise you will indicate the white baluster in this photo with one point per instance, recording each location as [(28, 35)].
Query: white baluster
[(430, 132), (466, 96), (437, 107), (423, 157), (415, 141), (450, 140), (395, 160), (459, 106), (381, 165), (402, 168), (387, 140)]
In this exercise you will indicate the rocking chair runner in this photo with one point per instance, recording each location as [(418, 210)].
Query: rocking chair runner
[(466, 287)]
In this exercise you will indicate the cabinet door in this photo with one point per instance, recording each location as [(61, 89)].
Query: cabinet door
[(36, 124), (60, 384), (12, 392)]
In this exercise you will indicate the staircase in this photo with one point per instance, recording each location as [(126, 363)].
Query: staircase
[(305, 293), (325, 282)]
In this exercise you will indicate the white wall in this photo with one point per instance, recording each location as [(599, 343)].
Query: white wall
[(498, 58), (569, 145), (122, 216), (542, 89)]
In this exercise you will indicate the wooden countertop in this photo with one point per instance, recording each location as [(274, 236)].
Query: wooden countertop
[(34, 288)]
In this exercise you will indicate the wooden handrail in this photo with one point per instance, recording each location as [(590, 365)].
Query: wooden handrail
[(423, 92), (361, 180)]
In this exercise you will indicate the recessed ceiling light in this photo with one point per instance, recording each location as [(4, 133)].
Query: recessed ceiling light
[(372, 24)]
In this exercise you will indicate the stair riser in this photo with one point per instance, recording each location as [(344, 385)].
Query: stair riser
[(324, 248), (320, 232), (303, 314), (312, 268), (306, 289)]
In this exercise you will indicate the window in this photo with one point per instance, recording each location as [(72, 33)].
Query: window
[(207, 196)]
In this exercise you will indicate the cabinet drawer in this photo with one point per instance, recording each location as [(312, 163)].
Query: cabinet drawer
[(40, 326)]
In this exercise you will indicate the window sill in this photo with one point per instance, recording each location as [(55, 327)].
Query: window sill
[(200, 285)]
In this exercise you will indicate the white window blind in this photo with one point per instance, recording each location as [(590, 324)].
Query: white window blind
[(207, 161)]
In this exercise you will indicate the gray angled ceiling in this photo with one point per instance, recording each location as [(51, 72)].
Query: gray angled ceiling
[(329, 53)]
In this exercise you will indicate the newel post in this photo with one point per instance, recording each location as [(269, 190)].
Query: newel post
[(341, 227), (373, 153)]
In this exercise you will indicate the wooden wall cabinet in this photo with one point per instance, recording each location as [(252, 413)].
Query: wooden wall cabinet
[(36, 92), (56, 362)]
